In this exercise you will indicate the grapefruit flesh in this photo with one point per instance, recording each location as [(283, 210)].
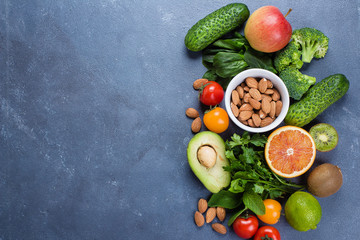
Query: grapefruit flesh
[(290, 151)]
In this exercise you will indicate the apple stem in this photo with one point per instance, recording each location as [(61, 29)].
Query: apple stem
[(288, 12)]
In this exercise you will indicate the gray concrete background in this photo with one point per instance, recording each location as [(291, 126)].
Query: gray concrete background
[(93, 133)]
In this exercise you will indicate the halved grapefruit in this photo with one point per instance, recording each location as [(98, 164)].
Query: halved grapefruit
[(290, 151)]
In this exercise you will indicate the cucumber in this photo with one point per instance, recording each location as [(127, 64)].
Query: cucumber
[(317, 99), (215, 25)]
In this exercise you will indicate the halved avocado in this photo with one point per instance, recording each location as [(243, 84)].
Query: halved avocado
[(206, 156)]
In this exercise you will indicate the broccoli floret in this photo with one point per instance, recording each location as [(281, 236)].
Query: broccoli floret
[(296, 82), (311, 42), (290, 55)]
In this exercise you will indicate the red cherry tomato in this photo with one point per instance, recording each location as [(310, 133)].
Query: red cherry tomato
[(212, 94), (216, 120), (246, 226), (272, 211), (267, 233)]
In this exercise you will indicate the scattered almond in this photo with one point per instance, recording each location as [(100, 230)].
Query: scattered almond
[(210, 214), (202, 205), (251, 82), (220, 213), (199, 219), (192, 113), (218, 227), (234, 109), (278, 107), (235, 97), (263, 85), (255, 103), (255, 94), (196, 125), (199, 83)]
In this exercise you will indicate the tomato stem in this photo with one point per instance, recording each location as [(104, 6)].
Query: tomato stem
[(266, 237)]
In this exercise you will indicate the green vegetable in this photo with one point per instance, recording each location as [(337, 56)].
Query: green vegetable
[(317, 100), (215, 25), (227, 64), (252, 180), (288, 56), (225, 199), (238, 43), (296, 82), (225, 58), (311, 42), (254, 202), (256, 59)]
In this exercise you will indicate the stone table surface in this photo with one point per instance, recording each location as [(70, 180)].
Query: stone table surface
[(93, 134)]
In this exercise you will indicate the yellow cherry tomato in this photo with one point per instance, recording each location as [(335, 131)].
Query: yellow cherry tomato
[(216, 120), (272, 211)]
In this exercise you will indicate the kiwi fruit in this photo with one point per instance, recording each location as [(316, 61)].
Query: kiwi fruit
[(325, 136), (325, 180)]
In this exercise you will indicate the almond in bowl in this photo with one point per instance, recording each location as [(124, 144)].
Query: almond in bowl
[(257, 100)]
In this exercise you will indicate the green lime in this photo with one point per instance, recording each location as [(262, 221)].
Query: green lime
[(302, 211)]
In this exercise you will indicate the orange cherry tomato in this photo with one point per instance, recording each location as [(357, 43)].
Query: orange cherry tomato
[(216, 120), (272, 211)]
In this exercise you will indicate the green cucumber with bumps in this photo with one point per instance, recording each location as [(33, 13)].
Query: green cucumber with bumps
[(215, 25), (317, 100)]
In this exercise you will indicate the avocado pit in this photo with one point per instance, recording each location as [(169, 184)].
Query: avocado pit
[(206, 155)]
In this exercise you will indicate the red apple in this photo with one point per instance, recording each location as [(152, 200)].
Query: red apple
[(267, 30)]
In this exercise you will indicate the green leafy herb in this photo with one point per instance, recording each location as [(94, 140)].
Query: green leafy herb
[(235, 215), (252, 179), (225, 199), (254, 202)]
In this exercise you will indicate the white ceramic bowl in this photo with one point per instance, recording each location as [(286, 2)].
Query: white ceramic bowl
[(278, 84)]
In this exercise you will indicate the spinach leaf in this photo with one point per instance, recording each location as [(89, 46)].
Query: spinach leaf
[(254, 202), (210, 75), (209, 54), (257, 59), (233, 43), (225, 199), (229, 64)]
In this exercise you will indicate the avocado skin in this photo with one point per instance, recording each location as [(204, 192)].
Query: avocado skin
[(216, 178), (317, 100), (215, 25)]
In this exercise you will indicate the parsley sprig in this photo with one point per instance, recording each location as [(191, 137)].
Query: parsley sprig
[(252, 179)]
